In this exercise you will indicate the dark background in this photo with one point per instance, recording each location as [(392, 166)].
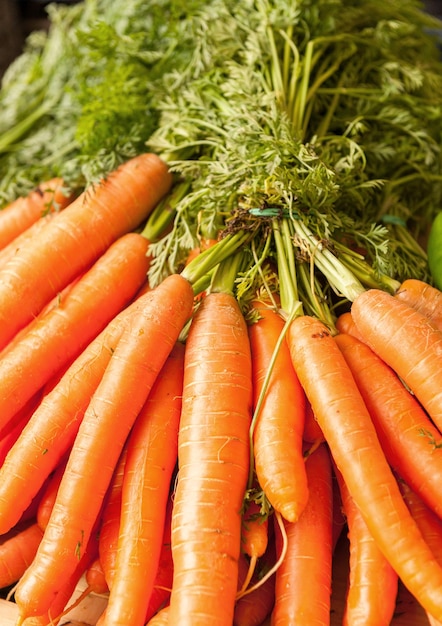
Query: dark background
[(20, 17)]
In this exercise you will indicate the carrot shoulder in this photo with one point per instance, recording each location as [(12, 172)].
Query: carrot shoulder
[(76, 237), (408, 341), (351, 437), (213, 458), (109, 417)]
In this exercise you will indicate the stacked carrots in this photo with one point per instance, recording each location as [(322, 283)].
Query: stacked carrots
[(190, 458)]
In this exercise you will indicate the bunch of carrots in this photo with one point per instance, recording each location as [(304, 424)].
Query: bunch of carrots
[(196, 460)]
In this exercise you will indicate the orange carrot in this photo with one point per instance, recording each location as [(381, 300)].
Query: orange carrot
[(423, 297), (312, 432), (76, 237), (427, 520), (62, 334), (139, 356), (95, 578), (346, 324), (373, 583), (430, 525), (254, 537), (160, 595), (17, 424), (51, 430), (351, 437), (110, 521), (408, 438), (254, 534), (279, 426), (303, 581), (49, 495), (16, 217), (407, 341), (252, 608), (61, 602), (213, 459), (17, 550), (151, 458)]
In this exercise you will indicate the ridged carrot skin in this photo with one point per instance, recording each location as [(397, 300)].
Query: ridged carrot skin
[(151, 458), (407, 341), (408, 437), (16, 217), (373, 583), (60, 335), (213, 457), (277, 436), (303, 581), (109, 417), (76, 237), (354, 445)]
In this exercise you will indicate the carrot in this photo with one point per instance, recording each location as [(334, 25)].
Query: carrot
[(312, 432), (17, 424), (254, 534), (280, 416), (49, 495), (17, 550), (52, 428), (254, 537), (427, 520), (62, 602), (160, 595), (95, 578), (252, 608), (303, 581), (62, 334), (110, 521), (213, 457), (351, 437), (139, 356), (76, 237), (151, 458), (407, 341), (411, 443), (346, 324), (429, 523), (423, 297), (16, 217), (372, 583)]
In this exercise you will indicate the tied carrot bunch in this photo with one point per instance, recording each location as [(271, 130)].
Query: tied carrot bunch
[(193, 454), (220, 342)]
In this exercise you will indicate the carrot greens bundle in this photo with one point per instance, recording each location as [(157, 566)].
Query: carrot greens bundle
[(322, 114)]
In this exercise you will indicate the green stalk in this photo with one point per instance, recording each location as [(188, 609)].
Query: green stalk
[(341, 279), (205, 262), (164, 213), (286, 266)]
